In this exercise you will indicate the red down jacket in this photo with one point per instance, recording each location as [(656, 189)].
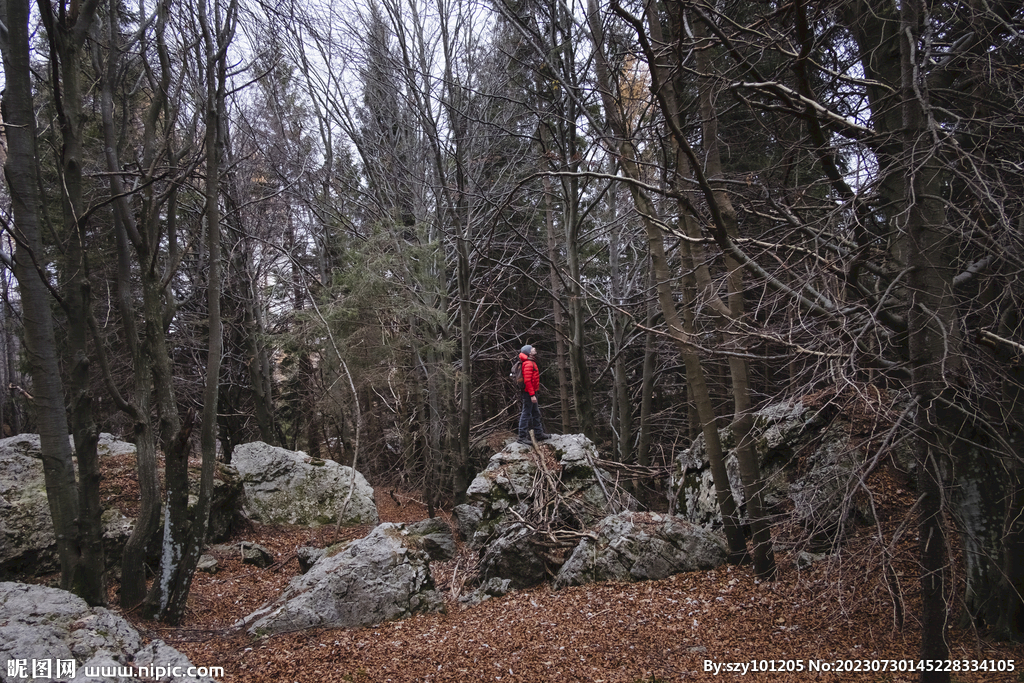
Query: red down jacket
[(531, 375)]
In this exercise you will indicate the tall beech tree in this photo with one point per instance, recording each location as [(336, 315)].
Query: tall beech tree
[(68, 25), (185, 532), (147, 247), (73, 505)]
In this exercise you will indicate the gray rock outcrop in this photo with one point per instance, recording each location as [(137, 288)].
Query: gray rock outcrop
[(492, 588), (247, 551), (810, 460), (290, 487), (507, 489), (515, 556), (207, 564), (641, 546), (27, 544), (110, 445), (309, 556), (381, 577), (26, 532), (59, 631), (432, 536), (776, 433), (255, 554), (525, 510)]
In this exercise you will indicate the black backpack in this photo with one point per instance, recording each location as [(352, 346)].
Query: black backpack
[(516, 374)]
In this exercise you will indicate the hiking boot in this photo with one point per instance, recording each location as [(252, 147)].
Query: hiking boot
[(525, 442), (544, 437)]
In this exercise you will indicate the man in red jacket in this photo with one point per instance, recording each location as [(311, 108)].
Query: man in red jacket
[(530, 419)]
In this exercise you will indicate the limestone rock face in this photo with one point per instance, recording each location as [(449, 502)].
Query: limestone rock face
[(207, 564), (431, 536), (27, 544), (59, 628), (776, 433), (808, 456), (256, 555), (111, 445), (523, 500), (509, 485), (26, 531), (289, 487), (636, 546), (381, 577), (513, 556), (247, 551), (492, 588), (308, 557)]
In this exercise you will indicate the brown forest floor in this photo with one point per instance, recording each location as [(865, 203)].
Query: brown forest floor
[(652, 631)]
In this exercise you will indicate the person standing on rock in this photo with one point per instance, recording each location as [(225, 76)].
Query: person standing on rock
[(530, 418)]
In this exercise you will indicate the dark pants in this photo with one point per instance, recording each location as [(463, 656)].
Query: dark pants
[(530, 419)]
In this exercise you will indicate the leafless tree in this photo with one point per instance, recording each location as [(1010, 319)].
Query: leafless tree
[(74, 506)]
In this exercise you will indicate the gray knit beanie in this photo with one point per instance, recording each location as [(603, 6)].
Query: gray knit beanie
[(526, 349)]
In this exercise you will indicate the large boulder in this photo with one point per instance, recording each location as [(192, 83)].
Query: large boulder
[(290, 487), (777, 435), (47, 634), (810, 459), (26, 531), (525, 511), (110, 445), (381, 577), (517, 478), (514, 555), (639, 546), (27, 543)]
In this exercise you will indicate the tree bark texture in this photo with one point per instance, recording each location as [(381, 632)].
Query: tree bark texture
[(66, 32), (929, 316), (22, 172)]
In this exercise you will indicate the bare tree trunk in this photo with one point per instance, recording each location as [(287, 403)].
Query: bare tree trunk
[(697, 384), (258, 361), (5, 350), (184, 537), (929, 318), (66, 34), (679, 330), (462, 474), (22, 173), (433, 418), (556, 308), (13, 417), (622, 409), (133, 577), (252, 328), (154, 241), (643, 455), (459, 206), (1010, 602), (581, 388), (733, 312)]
